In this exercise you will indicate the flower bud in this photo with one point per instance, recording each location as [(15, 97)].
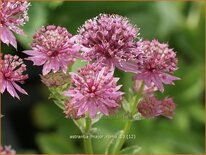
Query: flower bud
[(54, 79)]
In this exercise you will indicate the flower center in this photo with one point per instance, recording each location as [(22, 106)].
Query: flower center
[(7, 74), (52, 53)]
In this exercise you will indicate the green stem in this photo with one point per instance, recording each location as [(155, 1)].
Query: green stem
[(87, 140), (128, 124), (121, 137)]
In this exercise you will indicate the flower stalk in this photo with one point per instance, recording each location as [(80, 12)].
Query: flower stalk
[(128, 124), (87, 140)]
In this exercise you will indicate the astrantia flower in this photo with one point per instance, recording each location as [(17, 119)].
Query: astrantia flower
[(108, 39), (12, 72), (150, 107), (155, 64), (54, 48), (94, 89), (13, 15), (7, 150)]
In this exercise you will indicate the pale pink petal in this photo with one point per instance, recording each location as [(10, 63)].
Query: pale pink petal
[(19, 88), (34, 53), (4, 83), (92, 109), (46, 68), (103, 109), (7, 37), (127, 66), (157, 81), (82, 109), (11, 90), (168, 79)]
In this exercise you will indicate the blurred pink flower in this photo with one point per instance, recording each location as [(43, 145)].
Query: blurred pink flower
[(94, 89), (107, 39), (150, 107), (12, 71), (13, 15), (155, 64), (54, 48), (7, 150)]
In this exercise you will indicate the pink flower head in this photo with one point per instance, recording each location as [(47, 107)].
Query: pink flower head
[(108, 39), (94, 89), (155, 64), (12, 71), (54, 48), (13, 15), (7, 150), (150, 107)]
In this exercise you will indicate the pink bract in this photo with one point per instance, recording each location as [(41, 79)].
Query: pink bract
[(54, 48), (94, 89), (13, 15), (12, 72)]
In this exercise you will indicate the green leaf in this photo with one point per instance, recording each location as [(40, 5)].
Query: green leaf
[(112, 143), (97, 118), (131, 150), (45, 116), (77, 64), (55, 4), (80, 123), (53, 143), (126, 105)]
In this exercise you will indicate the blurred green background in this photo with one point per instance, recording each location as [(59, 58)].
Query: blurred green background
[(36, 125)]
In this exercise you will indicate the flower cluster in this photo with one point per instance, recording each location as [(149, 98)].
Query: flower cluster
[(107, 39), (93, 90), (105, 42), (13, 15), (7, 150), (12, 72), (150, 107), (54, 48)]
